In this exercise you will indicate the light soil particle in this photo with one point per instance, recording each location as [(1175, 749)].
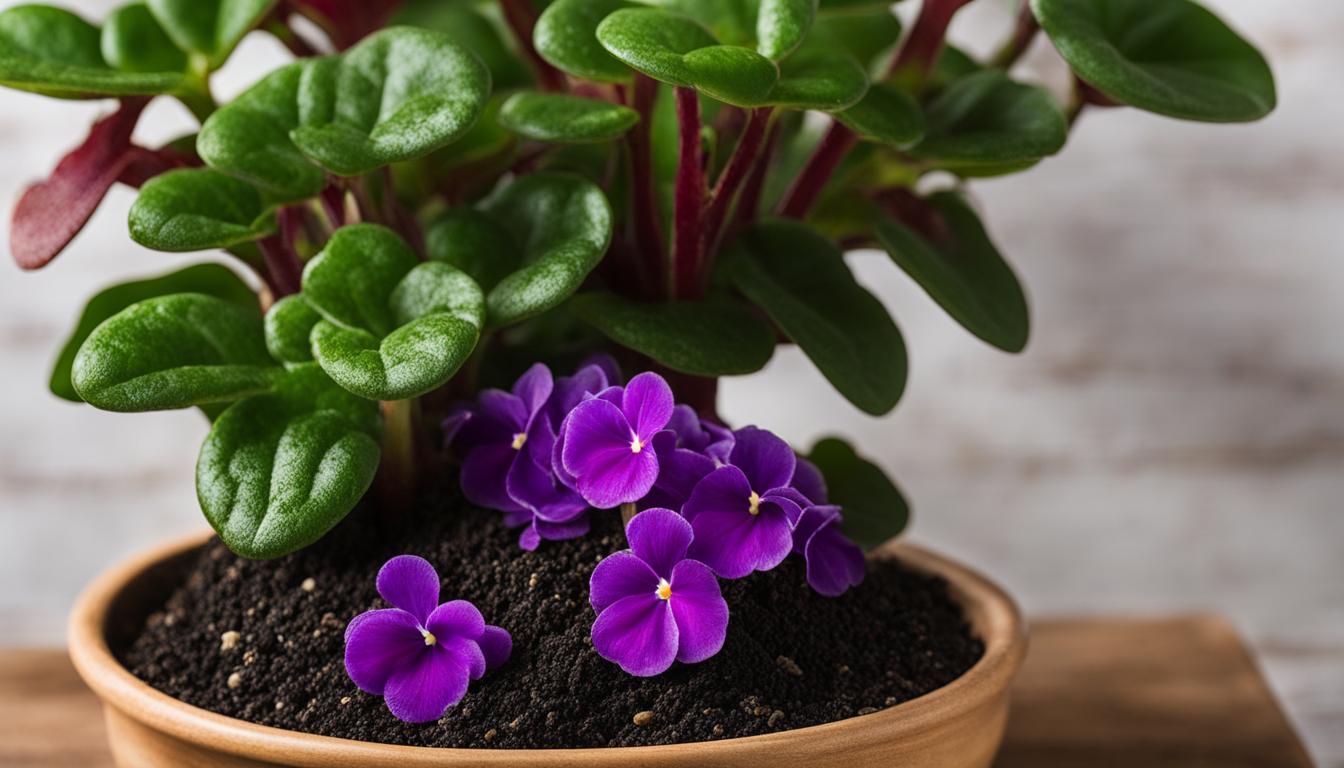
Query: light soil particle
[(643, 718), (235, 680), (309, 584), (229, 640), (491, 734), (776, 718), (789, 666)]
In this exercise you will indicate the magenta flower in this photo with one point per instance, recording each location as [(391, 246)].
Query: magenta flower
[(701, 435), (742, 513), (419, 655), (607, 446), (653, 605), (834, 562)]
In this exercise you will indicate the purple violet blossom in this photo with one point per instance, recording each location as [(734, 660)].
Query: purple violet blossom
[(653, 605), (834, 562), (607, 445), (743, 512), (419, 655)]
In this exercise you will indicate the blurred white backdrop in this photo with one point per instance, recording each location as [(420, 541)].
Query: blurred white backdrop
[(1171, 440)]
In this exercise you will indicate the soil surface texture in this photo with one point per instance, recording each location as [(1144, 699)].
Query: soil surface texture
[(263, 641)]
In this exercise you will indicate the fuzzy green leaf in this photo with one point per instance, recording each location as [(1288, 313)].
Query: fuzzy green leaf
[(1172, 57), (172, 352), (209, 28), (392, 327), (566, 36), (715, 337), (985, 120), (196, 209), (954, 260), (562, 118), (133, 41), (675, 50), (873, 507), (864, 34), (469, 27), (829, 82), (886, 115), (53, 52), (289, 326), (781, 26), (397, 95), (211, 279), (279, 470), (474, 242), (801, 281)]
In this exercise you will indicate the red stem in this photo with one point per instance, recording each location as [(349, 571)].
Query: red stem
[(820, 167), (522, 18), (282, 266), (1024, 31), (688, 205), (749, 203), (648, 230), (922, 46), (744, 160)]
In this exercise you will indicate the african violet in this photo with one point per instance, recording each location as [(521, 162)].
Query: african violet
[(436, 194)]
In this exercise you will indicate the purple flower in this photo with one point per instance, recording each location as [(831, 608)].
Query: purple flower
[(834, 563), (742, 513), (701, 435), (607, 446), (419, 655), (653, 605)]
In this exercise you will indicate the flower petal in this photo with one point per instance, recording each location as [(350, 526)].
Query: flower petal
[(423, 689), (560, 531), (809, 481), (534, 388), (467, 653), (724, 490), (659, 537), (679, 470), (530, 538), (638, 633), (570, 390), (497, 646), (456, 618), (765, 459), (411, 584), (485, 472), (497, 416), (619, 575), (628, 478), (647, 404), (700, 611), (377, 643), (834, 563), (735, 543), (594, 428)]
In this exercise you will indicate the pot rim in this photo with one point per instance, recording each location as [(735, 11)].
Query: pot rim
[(992, 613)]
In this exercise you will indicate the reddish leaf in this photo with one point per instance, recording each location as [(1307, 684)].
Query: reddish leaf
[(346, 22), (144, 164), (51, 212)]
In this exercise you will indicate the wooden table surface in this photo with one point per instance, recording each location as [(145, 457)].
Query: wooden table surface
[(1094, 692)]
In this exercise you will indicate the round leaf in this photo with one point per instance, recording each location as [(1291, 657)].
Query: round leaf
[(781, 26), (887, 115), (209, 28), (279, 470), (198, 209), (211, 279), (469, 28), (172, 352), (954, 260), (864, 34), (562, 118), (829, 82), (987, 120), (352, 279), (56, 53), (566, 36), (675, 50), (873, 507), (801, 281), (716, 337), (133, 41), (410, 361), (1172, 57), (289, 325)]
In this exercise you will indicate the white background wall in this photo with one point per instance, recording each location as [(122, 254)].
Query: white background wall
[(1172, 439)]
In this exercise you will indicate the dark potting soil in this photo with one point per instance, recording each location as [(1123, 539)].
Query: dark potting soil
[(263, 641)]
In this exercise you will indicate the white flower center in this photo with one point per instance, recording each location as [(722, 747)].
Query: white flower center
[(754, 503), (430, 639), (518, 441), (664, 590), (636, 445)]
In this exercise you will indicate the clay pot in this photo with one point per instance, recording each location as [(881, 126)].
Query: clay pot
[(957, 726)]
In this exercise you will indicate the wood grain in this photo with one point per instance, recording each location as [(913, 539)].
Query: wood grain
[(1095, 692)]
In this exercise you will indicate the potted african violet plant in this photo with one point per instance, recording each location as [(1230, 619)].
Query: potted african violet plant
[(472, 499)]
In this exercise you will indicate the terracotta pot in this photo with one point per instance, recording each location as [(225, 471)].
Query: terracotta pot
[(957, 726)]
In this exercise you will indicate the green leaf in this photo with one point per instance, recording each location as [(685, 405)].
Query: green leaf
[(289, 325), (279, 470), (675, 50), (469, 28), (566, 36), (196, 209), (729, 21), (987, 120), (399, 94), (563, 118), (133, 41), (209, 28), (1172, 57), (392, 327), (829, 82), (474, 242), (954, 260), (865, 34), (172, 352), (781, 26), (887, 115), (560, 228), (873, 507), (801, 281), (715, 337), (56, 53), (211, 279)]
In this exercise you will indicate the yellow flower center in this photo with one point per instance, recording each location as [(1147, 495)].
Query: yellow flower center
[(518, 441), (754, 503), (636, 445), (430, 639), (664, 590)]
